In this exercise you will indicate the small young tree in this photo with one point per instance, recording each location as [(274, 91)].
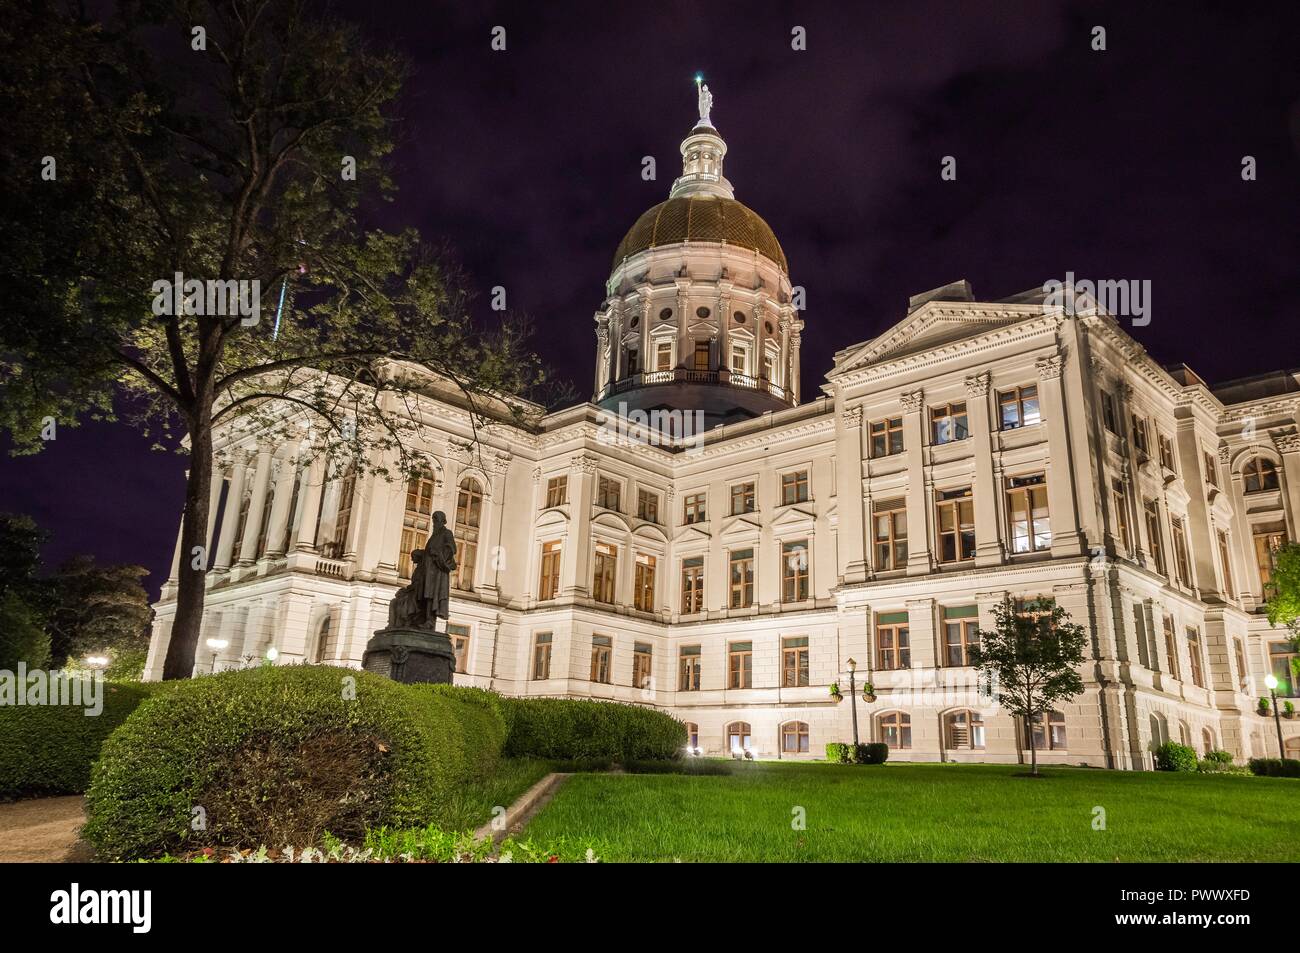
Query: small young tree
[(1030, 661)]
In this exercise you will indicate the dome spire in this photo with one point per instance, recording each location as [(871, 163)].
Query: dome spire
[(702, 153)]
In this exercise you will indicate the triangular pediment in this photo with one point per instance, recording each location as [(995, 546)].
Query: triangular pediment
[(934, 324), (745, 525), (691, 534), (794, 516)]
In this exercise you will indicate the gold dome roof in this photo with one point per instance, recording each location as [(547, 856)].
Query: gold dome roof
[(701, 218)]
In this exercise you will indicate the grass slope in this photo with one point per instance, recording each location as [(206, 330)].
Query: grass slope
[(926, 812)]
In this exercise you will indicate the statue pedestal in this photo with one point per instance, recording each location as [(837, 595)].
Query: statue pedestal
[(410, 656)]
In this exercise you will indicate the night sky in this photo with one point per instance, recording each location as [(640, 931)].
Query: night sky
[(1123, 164)]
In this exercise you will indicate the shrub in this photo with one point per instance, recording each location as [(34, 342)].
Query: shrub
[(562, 729), (1209, 766), (1171, 756), (846, 753), (283, 755), (1275, 767), (1223, 757), (837, 752), (49, 749), (877, 752)]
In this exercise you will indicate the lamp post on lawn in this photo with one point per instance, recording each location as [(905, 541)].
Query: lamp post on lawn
[(216, 645), (1271, 681), (853, 697)]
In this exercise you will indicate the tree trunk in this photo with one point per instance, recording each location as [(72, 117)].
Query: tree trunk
[(190, 589), (1033, 749)]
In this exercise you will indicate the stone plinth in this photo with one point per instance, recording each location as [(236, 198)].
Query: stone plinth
[(410, 656)]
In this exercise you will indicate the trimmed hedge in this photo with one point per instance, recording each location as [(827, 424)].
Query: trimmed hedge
[(561, 729), (49, 749), (877, 752), (1275, 767), (284, 754), (1171, 756)]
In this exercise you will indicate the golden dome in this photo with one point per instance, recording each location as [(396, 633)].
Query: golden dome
[(701, 218)]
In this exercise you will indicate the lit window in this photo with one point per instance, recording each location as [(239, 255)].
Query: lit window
[(955, 525), (1031, 530), (889, 534), (688, 669), (664, 356), (1180, 551), (794, 737), (702, 354), (692, 734), (1268, 541), (739, 738), (693, 585), (604, 573), (602, 651), (1119, 508), (647, 506), (794, 661), (417, 521), (740, 665), (1282, 660), (794, 571), (893, 647), (961, 635), (459, 635), (642, 664), (1152, 510), (741, 578), (542, 656), (1225, 557), (643, 583), (549, 581), (609, 494), (469, 509), (557, 491), (693, 509)]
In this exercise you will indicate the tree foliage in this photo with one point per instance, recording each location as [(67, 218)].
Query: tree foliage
[(231, 141), (1030, 659), (96, 609)]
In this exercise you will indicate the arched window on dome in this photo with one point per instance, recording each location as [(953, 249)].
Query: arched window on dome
[(469, 509)]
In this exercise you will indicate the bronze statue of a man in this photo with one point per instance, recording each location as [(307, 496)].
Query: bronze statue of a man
[(431, 577)]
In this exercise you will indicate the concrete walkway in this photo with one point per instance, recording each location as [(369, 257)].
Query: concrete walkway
[(43, 830)]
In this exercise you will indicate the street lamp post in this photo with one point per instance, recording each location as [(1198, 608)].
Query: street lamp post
[(216, 645), (853, 696), (1271, 681)]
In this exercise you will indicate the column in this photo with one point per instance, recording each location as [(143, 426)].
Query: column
[(234, 503), (310, 494), (1199, 544), (602, 353), (784, 327), (722, 315), (685, 346), (176, 553), (988, 547), (1288, 444), (848, 464), (794, 361), (647, 360), (1066, 539), (285, 474), (575, 564), (252, 525), (760, 338), (918, 535), (214, 500)]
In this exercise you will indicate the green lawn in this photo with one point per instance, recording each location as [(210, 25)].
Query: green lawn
[(925, 812), (472, 806)]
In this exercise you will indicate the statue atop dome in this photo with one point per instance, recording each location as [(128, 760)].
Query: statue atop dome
[(705, 99)]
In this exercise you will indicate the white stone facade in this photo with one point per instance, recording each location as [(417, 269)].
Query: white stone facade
[(1126, 455)]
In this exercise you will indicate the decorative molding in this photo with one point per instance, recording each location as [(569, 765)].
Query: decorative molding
[(977, 385), (912, 401), (1050, 366), (1287, 442), (584, 463), (852, 416)]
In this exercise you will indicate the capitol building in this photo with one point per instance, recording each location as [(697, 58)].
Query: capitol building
[(714, 536)]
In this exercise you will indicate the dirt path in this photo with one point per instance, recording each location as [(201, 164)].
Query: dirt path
[(43, 830)]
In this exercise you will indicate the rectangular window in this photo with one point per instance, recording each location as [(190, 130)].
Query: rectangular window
[(889, 534), (1282, 658), (886, 437), (743, 499), (608, 493), (642, 665), (1171, 648), (702, 354), (1166, 452), (1140, 435), (740, 360), (1109, 416), (1180, 551), (688, 669), (633, 361), (542, 656), (893, 650), (741, 584), (459, 636), (557, 491), (692, 585), (1211, 471), (794, 661), (740, 665), (960, 634), (1018, 407), (604, 573), (647, 506), (948, 423), (1031, 529), (794, 571), (664, 356), (1225, 550), (602, 652), (794, 487), (1152, 511), (955, 525), (548, 584), (1194, 656), (643, 583), (1267, 543), (693, 510), (1119, 507)]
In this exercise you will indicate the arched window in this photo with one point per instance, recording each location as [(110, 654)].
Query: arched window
[(1053, 736), (1184, 736), (964, 729), (1207, 740), (417, 522), (1259, 474), (896, 729), (1159, 730), (469, 508), (739, 737), (794, 737), (692, 735)]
